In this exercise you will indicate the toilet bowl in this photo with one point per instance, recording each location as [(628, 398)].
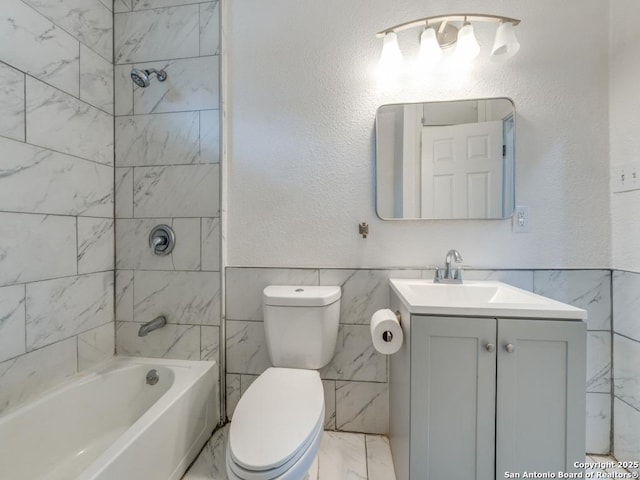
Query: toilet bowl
[(277, 425)]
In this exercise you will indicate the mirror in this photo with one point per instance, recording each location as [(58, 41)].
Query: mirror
[(445, 160)]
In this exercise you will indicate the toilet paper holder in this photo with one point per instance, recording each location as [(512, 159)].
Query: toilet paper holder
[(387, 336)]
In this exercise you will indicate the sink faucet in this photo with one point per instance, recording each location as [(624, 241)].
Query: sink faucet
[(154, 324), (450, 275)]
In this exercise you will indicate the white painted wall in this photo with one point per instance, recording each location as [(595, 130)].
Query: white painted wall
[(302, 99), (625, 129)]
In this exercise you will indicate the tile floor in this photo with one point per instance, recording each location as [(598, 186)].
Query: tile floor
[(342, 456)]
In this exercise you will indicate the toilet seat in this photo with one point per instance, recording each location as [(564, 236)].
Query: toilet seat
[(294, 470), (277, 424)]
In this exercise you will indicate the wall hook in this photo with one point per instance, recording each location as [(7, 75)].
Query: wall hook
[(363, 229)]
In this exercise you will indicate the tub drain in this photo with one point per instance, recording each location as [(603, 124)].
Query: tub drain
[(152, 377)]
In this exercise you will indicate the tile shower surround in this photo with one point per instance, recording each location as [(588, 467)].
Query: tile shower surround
[(356, 380), (56, 193), (167, 170)]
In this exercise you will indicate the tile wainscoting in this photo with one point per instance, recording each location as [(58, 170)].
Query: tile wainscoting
[(356, 380), (626, 366)]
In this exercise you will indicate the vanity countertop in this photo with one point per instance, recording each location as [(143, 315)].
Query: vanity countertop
[(480, 299)]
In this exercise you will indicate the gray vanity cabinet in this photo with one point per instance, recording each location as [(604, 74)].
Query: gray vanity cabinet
[(488, 396), (453, 397)]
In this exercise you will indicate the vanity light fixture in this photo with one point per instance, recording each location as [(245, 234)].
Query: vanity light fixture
[(391, 56), (440, 33), (467, 47), (430, 51)]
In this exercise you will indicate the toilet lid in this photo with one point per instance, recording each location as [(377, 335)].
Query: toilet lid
[(278, 414)]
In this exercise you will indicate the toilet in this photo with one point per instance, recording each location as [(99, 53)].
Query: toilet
[(277, 425)]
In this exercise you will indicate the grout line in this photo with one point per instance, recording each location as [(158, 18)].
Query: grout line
[(133, 191), (79, 70), (172, 112), (77, 248), (162, 8), (612, 368), (165, 60), (200, 241), (24, 113), (25, 317), (627, 403), (623, 336), (49, 279), (58, 151), (65, 215), (366, 456)]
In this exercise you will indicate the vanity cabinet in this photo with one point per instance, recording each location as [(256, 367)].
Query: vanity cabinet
[(473, 398)]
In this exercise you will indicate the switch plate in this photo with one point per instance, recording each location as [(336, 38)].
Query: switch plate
[(625, 177), (521, 219)]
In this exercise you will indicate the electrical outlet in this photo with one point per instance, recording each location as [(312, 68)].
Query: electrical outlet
[(521, 219)]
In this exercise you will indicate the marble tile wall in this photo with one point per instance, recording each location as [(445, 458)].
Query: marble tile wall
[(167, 170), (591, 290), (56, 193), (356, 380), (626, 361)]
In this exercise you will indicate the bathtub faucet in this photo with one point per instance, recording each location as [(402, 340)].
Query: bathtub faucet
[(154, 324)]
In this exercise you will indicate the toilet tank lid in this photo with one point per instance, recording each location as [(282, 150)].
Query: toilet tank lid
[(300, 295)]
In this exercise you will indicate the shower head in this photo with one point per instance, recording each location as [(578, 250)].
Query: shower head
[(142, 78)]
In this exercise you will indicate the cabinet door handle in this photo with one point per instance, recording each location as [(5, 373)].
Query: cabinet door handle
[(509, 347), (490, 347)]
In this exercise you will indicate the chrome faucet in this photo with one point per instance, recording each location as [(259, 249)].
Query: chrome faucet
[(154, 324), (450, 275)]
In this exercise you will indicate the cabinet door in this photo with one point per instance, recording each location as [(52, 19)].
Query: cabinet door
[(453, 382), (541, 396)]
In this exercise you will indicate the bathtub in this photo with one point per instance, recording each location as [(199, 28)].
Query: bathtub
[(109, 424)]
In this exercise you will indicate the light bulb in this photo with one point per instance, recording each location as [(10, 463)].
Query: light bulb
[(467, 47), (505, 44), (391, 56), (430, 51)]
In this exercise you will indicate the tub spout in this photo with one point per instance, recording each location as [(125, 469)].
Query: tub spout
[(154, 324)]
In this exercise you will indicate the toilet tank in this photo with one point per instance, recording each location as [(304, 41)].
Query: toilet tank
[(301, 324)]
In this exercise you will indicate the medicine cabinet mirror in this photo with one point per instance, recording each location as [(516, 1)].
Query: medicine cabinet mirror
[(446, 160)]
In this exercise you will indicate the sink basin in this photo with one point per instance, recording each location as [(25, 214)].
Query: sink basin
[(479, 298)]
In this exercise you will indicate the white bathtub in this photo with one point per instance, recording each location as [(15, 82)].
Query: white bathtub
[(109, 424)]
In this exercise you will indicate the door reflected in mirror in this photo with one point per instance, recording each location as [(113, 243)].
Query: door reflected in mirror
[(446, 160)]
